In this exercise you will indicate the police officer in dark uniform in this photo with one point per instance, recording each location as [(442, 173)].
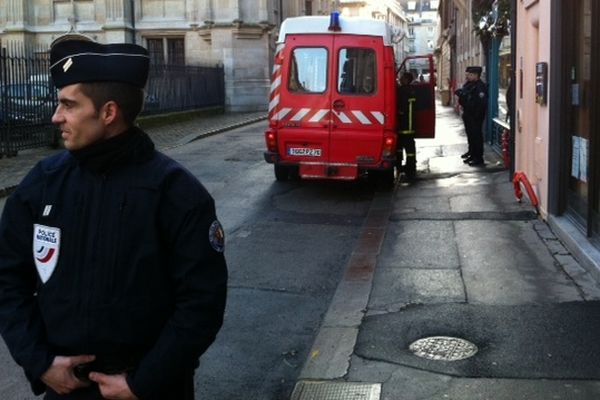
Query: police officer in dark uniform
[(473, 99), (406, 98), (112, 274)]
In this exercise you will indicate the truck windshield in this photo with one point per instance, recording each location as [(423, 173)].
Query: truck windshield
[(356, 72), (308, 70)]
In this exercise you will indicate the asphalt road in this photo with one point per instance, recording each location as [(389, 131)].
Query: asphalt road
[(286, 248)]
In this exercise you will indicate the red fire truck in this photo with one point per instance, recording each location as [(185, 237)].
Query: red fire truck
[(332, 109)]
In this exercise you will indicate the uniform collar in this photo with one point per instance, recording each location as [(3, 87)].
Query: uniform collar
[(130, 147)]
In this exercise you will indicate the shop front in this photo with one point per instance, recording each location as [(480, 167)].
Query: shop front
[(575, 126)]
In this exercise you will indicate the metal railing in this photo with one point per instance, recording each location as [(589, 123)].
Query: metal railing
[(177, 88), (28, 98)]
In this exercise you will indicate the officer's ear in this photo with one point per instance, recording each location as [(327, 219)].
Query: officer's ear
[(110, 112)]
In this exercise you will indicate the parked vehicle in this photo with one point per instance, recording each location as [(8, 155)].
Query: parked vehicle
[(26, 103), (332, 110)]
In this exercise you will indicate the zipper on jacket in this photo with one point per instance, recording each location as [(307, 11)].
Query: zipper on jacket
[(89, 272)]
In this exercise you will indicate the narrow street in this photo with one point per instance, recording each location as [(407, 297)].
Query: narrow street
[(287, 244), (455, 256)]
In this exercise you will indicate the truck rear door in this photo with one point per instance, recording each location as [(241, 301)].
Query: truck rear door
[(424, 87), (357, 101), (303, 116)]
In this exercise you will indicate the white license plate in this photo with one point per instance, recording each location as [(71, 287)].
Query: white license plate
[(304, 151)]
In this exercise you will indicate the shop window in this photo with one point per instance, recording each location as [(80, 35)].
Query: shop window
[(581, 121)]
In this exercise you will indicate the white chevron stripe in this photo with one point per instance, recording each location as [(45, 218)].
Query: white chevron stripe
[(378, 116), (300, 114), (273, 103), (283, 113), (276, 83), (319, 115), (343, 117), (361, 117)]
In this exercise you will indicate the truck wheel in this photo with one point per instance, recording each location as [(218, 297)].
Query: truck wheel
[(382, 180), (281, 172), (386, 179)]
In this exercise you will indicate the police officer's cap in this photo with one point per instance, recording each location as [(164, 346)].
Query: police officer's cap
[(76, 58), (474, 70)]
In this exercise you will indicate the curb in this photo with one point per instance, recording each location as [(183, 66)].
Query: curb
[(196, 136), (332, 349)]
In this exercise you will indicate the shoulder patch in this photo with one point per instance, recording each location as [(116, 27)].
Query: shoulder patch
[(481, 94), (216, 236)]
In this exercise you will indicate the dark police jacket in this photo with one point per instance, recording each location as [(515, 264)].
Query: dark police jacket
[(473, 99), (139, 270)]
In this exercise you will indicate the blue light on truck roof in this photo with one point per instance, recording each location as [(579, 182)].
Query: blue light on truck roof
[(334, 22)]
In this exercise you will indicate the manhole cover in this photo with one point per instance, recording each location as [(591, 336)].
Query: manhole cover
[(443, 348)]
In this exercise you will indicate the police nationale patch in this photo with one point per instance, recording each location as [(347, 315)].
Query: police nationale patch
[(216, 236), (46, 247)]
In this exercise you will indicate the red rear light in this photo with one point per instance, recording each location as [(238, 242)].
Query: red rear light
[(271, 139), (389, 146)]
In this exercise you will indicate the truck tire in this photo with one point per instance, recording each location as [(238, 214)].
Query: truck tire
[(281, 172), (382, 180)]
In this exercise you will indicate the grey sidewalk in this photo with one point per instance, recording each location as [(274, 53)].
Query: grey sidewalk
[(14, 169), (460, 258)]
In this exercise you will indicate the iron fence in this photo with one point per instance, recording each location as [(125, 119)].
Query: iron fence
[(177, 88), (28, 98)]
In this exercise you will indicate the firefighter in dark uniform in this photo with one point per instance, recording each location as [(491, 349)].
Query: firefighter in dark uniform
[(112, 273), (473, 99), (406, 98)]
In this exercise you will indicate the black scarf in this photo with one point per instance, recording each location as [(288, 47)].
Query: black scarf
[(131, 146)]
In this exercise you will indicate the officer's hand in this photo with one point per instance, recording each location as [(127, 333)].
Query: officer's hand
[(113, 387), (60, 378)]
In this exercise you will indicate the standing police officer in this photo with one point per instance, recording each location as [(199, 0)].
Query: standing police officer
[(406, 125), (473, 99), (112, 274)]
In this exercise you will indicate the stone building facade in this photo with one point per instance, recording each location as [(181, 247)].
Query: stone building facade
[(389, 11), (458, 45), (239, 34)]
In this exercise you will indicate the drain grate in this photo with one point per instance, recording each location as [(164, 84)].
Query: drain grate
[(443, 348), (327, 390)]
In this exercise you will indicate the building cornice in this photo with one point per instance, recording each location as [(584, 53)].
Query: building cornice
[(239, 29)]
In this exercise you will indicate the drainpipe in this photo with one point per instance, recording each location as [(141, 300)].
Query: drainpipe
[(280, 12), (513, 77), (132, 2), (492, 81)]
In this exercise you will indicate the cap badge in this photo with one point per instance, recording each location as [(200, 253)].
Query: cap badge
[(67, 64)]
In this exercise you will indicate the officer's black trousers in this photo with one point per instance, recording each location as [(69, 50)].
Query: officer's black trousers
[(473, 126)]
